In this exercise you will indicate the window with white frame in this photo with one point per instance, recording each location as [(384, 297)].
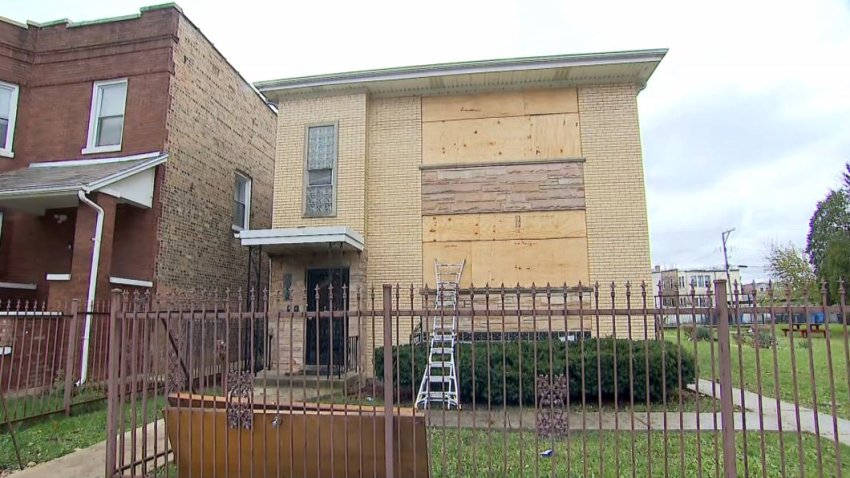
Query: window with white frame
[(320, 174), (106, 119), (241, 202), (8, 112)]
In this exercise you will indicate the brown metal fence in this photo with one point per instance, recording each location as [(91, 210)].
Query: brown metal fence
[(551, 381), (42, 352)]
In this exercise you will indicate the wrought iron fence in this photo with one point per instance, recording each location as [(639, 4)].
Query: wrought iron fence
[(550, 381), (52, 358)]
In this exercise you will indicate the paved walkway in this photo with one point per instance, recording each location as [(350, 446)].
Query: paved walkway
[(822, 424), (90, 462)]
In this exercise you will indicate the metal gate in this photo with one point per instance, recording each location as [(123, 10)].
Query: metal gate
[(554, 381)]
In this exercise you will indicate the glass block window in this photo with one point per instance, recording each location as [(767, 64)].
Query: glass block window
[(321, 162)]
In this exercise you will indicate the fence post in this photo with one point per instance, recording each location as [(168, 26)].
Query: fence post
[(112, 391), (388, 381), (727, 417), (71, 359)]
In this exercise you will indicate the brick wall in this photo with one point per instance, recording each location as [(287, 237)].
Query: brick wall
[(217, 125), (545, 186), (617, 228), (349, 111)]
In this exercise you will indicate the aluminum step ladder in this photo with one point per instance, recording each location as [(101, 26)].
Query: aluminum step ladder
[(439, 382)]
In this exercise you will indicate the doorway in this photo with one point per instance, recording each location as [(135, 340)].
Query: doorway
[(326, 338)]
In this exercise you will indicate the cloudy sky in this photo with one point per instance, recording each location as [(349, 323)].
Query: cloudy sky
[(745, 124)]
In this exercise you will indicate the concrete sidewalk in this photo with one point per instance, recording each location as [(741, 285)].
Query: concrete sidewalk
[(823, 424), (91, 462)]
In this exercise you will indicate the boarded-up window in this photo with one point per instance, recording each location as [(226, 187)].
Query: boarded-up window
[(320, 181)]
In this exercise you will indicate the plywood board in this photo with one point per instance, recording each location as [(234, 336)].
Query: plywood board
[(562, 100), (487, 105), (504, 226), (499, 104), (555, 136), (512, 261), (493, 140)]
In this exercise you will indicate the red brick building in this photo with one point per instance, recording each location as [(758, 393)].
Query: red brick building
[(131, 152)]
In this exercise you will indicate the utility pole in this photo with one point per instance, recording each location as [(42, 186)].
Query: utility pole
[(725, 237)]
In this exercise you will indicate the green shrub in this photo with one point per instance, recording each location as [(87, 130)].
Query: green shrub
[(511, 369), (763, 339), (700, 333)]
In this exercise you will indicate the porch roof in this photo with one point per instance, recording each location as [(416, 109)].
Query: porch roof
[(301, 239), (55, 184)]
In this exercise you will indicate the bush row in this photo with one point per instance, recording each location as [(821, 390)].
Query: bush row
[(511, 372)]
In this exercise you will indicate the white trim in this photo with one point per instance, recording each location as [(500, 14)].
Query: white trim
[(89, 162), (247, 223), (94, 113), (303, 236), (17, 285), (131, 282), (100, 149), (7, 151), (58, 277)]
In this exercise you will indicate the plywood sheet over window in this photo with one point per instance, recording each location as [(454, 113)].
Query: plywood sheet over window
[(500, 104), (512, 261), (493, 140), (519, 248)]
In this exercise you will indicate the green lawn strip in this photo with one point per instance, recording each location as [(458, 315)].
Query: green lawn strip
[(786, 354), (688, 404), (47, 402), (56, 436), (452, 455)]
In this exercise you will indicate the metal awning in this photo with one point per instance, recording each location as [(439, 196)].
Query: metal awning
[(303, 239), (55, 184)]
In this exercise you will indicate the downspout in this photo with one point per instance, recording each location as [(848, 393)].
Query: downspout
[(95, 262)]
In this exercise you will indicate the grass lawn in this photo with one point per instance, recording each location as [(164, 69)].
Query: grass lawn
[(56, 436), (758, 365), (29, 406), (452, 455)]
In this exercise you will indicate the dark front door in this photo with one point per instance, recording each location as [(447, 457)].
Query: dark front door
[(326, 337)]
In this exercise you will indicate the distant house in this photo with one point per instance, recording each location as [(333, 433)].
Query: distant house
[(530, 170), (678, 290), (131, 152)]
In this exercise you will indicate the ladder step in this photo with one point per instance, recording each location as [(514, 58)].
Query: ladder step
[(442, 395), (442, 350), (442, 338), (440, 378), (440, 364)]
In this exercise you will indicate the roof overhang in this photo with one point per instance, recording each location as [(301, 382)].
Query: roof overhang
[(56, 184), (542, 71), (303, 239)]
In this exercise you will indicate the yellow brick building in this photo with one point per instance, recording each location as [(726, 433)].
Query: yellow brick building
[(528, 169)]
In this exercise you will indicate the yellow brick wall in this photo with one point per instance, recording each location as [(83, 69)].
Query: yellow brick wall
[(295, 115), (617, 228), (394, 213)]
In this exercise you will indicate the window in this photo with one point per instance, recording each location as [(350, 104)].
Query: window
[(241, 202), (320, 175), (106, 119), (681, 282), (8, 112)]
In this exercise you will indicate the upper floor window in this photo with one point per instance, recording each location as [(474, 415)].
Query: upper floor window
[(106, 119), (241, 202), (8, 112), (320, 174)]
